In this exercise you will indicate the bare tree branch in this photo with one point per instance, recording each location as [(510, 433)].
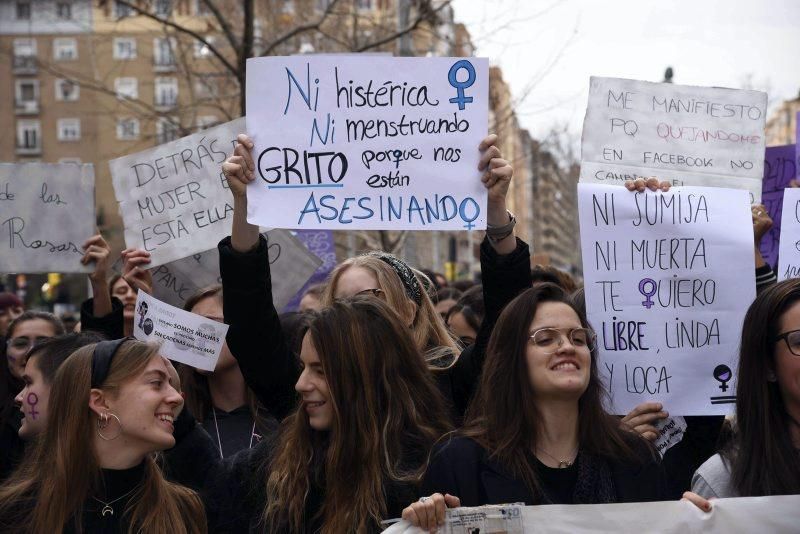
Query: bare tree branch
[(223, 23), (422, 15), (297, 30)]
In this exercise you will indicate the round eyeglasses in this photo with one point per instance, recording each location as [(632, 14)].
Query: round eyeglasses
[(551, 339)]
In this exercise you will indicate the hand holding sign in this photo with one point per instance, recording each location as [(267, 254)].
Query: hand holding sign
[(97, 251), (134, 271), (238, 168)]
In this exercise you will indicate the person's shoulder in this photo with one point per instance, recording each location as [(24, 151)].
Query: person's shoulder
[(461, 447), (642, 449), (713, 467), (713, 479)]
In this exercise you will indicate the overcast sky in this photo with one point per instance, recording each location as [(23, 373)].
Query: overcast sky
[(552, 47)]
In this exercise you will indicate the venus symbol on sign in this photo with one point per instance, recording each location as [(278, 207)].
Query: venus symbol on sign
[(452, 78), (648, 293)]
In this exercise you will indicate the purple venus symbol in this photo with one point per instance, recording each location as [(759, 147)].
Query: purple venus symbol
[(648, 293)]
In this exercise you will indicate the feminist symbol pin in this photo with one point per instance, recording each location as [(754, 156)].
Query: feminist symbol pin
[(452, 78)]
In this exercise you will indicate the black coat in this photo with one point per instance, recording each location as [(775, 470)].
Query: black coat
[(462, 468), (262, 349)]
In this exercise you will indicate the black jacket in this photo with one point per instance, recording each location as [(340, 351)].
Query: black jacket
[(270, 368), (462, 468)]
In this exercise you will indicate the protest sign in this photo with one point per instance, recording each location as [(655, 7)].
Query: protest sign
[(173, 198), (670, 433), (789, 255), (776, 514), (780, 168), (687, 135), (185, 337), (46, 214), (322, 245), (291, 264), (668, 278), (352, 142)]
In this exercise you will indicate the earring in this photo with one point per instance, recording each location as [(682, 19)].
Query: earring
[(102, 424)]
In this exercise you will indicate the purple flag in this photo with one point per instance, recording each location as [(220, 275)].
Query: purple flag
[(321, 243), (780, 167)]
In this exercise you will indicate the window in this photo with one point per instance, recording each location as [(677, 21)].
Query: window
[(166, 130), (127, 129), (27, 90), (126, 87), (201, 8), (162, 52), (23, 11), (364, 4), (67, 90), (206, 121), (69, 129), (74, 161), (65, 49), (201, 49), (166, 92), (25, 56), (64, 10), (124, 48), (288, 6), (162, 8), (322, 5), (121, 10), (29, 135)]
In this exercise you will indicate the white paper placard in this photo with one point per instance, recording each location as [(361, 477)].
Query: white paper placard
[(688, 135), (46, 214), (354, 142), (291, 265), (668, 278), (185, 337), (670, 432), (789, 244), (776, 515), (173, 198)]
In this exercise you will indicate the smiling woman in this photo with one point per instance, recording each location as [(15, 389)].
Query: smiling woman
[(111, 405)]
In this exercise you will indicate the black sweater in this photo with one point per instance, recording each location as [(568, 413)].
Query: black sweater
[(258, 342)]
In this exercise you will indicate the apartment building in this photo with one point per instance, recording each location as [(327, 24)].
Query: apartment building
[(781, 128)]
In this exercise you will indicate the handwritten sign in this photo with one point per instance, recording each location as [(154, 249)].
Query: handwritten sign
[(688, 135), (350, 142), (789, 255), (322, 245), (185, 337), (776, 514), (780, 168), (668, 278), (291, 264), (670, 432), (46, 214), (173, 198)]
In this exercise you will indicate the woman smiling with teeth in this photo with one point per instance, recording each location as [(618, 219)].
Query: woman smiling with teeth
[(536, 431)]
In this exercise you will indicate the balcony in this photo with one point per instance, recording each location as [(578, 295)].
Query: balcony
[(29, 150), (24, 65), (26, 107), (166, 104), (164, 64)]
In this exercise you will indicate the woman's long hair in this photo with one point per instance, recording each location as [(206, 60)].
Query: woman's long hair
[(47, 492), (503, 417), (195, 385), (762, 457), (428, 330), (387, 414)]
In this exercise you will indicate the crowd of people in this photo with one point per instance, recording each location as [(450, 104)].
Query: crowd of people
[(391, 393)]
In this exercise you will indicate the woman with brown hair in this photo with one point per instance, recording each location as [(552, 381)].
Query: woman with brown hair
[(764, 456), (353, 452), (537, 432), (92, 470)]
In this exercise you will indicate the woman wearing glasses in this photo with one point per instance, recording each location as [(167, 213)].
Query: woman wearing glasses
[(537, 432), (764, 456)]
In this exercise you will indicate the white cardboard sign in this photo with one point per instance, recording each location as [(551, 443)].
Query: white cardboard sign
[(789, 244), (354, 142), (46, 214), (668, 278), (670, 432), (684, 134), (185, 337), (173, 198)]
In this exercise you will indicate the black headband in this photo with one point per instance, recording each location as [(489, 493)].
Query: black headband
[(103, 354), (407, 276)]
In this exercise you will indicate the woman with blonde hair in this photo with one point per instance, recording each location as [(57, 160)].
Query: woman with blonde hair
[(112, 404)]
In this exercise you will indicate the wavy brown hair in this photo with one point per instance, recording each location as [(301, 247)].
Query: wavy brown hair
[(762, 457), (47, 491), (503, 417), (387, 414), (427, 328)]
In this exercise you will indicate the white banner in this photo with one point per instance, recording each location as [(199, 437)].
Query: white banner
[(668, 278), (789, 245), (185, 337), (346, 142), (46, 214), (173, 198), (688, 135), (291, 265), (776, 515)]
